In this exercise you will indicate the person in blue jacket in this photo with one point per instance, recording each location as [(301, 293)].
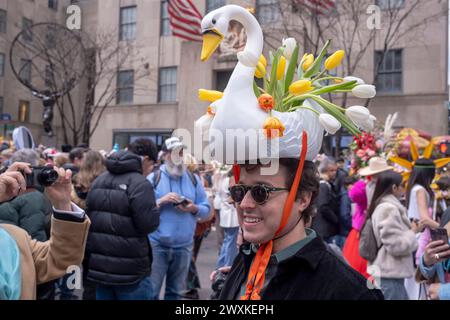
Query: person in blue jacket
[(182, 200), (435, 264)]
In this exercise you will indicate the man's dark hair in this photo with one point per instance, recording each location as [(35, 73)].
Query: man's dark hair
[(77, 153), (309, 181), (66, 148), (443, 183), (83, 145), (144, 147)]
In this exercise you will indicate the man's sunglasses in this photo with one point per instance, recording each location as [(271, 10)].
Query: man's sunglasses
[(260, 192)]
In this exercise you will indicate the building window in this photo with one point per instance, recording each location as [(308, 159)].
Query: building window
[(128, 23), (53, 4), (268, 11), (214, 4), (1, 105), (24, 111), (3, 21), (390, 74), (27, 23), (25, 70), (2, 64), (167, 84), (165, 22), (125, 87), (222, 78), (390, 4)]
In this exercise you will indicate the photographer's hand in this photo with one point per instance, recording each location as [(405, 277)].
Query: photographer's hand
[(171, 197), (11, 185), (12, 182), (190, 207), (434, 250), (226, 269), (59, 192)]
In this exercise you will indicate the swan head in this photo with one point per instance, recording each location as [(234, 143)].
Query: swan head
[(214, 28)]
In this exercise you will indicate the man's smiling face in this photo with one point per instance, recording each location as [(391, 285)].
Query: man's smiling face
[(260, 221)]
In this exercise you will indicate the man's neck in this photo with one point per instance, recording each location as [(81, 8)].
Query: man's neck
[(295, 235)]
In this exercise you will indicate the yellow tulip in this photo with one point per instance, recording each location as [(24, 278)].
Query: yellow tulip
[(263, 60), (281, 67), (334, 60), (209, 95), (260, 70), (300, 87), (307, 61)]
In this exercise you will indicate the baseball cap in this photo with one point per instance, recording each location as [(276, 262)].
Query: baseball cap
[(172, 143)]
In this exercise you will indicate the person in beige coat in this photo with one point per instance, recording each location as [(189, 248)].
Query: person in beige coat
[(24, 262), (395, 237)]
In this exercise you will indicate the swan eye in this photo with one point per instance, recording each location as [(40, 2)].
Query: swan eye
[(214, 21)]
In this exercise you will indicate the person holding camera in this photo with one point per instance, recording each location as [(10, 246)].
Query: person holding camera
[(25, 262), (182, 200), (30, 211), (121, 205)]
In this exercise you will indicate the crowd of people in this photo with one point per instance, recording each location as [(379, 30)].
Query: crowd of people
[(121, 224), (149, 212), (389, 238), (148, 217)]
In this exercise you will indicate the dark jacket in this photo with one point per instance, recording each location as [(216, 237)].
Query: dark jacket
[(31, 212), (345, 213), (326, 220), (313, 273), (121, 206)]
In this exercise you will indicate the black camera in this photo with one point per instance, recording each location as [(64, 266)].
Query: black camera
[(40, 177)]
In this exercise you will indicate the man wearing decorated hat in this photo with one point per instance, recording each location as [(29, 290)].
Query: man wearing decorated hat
[(271, 135)]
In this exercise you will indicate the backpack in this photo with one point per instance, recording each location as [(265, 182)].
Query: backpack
[(157, 178), (368, 248)]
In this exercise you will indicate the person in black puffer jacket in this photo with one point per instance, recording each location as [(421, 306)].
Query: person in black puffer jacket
[(122, 208)]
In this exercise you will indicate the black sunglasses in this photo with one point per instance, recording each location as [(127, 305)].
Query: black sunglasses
[(260, 192)]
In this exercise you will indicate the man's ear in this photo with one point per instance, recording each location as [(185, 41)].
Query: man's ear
[(305, 200)]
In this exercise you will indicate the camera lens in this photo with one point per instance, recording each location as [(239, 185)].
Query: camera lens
[(47, 177)]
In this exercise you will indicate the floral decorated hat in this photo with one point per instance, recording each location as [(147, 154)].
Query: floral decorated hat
[(290, 100), (285, 117)]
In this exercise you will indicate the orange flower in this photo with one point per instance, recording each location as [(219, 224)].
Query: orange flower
[(273, 128), (266, 102), (210, 111)]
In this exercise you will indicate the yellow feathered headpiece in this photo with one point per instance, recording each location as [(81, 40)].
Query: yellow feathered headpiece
[(409, 165)]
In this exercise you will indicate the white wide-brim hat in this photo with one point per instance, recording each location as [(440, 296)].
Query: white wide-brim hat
[(376, 165)]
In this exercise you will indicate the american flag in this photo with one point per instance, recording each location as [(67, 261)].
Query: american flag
[(320, 7), (185, 20)]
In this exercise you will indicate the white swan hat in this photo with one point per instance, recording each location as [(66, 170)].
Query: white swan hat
[(258, 123)]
